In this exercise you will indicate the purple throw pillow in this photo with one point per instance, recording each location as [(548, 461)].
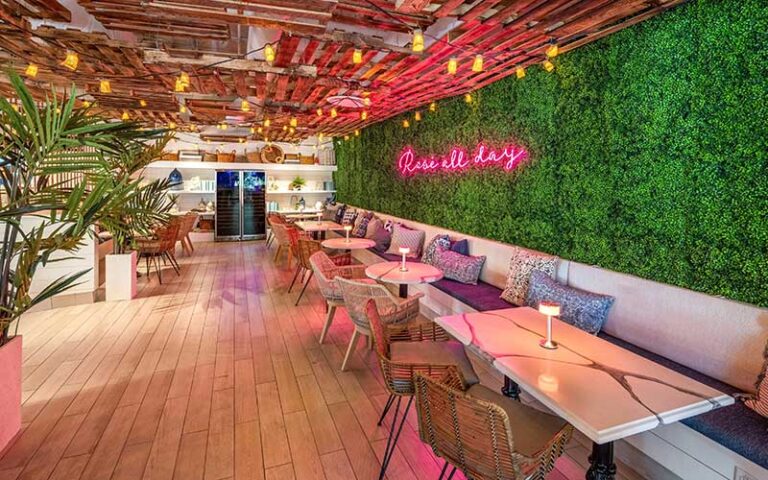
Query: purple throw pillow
[(382, 238), (462, 268), (460, 246)]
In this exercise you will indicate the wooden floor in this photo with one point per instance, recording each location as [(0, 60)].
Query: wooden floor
[(212, 375)]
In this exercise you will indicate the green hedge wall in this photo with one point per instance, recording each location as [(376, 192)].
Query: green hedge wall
[(648, 154)]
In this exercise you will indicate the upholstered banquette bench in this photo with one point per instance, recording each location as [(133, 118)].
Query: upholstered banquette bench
[(716, 341)]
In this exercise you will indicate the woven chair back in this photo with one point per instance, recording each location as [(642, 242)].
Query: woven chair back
[(356, 295), (307, 247)]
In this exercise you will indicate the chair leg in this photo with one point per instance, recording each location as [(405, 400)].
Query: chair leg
[(442, 472), (295, 276), (146, 261), (189, 243), (157, 267), (386, 409), (328, 321), (277, 253), (301, 294), (350, 349), (172, 261), (394, 435)]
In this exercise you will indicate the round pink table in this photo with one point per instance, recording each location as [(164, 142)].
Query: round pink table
[(416, 273), (353, 244)]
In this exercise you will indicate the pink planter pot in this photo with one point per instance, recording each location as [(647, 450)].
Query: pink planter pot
[(10, 391)]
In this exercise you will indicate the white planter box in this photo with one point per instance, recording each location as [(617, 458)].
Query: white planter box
[(121, 276)]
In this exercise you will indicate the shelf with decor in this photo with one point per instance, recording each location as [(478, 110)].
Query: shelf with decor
[(267, 167), (297, 192)]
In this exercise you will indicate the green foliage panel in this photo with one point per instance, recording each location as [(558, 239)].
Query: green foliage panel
[(648, 154)]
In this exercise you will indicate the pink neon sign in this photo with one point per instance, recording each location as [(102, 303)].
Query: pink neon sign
[(457, 160)]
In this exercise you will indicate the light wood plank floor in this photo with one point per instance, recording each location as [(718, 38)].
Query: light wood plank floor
[(213, 375)]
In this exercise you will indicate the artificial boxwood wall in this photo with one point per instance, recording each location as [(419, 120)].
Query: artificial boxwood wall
[(648, 154)]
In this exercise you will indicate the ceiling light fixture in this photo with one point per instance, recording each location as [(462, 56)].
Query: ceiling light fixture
[(31, 70), (477, 64), (418, 41), (453, 65), (71, 60)]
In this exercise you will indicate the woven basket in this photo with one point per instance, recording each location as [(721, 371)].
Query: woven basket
[(170, 156), (225, 157), (307, 159), (253, 157), (209, 157)]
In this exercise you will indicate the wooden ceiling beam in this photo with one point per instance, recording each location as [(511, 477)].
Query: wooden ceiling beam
[(160, 57)]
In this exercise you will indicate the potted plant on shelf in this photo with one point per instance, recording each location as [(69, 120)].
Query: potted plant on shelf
[(297, 184), (57, 185)]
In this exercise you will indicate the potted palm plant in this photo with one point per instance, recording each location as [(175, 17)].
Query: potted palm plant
[(57, 183)]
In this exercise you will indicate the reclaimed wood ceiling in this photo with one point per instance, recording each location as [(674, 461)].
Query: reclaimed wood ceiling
[(144, 44)]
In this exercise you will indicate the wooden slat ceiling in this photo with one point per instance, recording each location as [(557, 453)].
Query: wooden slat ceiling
[(147, 42)]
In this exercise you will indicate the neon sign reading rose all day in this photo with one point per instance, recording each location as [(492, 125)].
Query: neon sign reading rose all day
[(458, 160)]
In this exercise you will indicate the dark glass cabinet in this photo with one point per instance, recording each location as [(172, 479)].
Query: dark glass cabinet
[(240, 205)]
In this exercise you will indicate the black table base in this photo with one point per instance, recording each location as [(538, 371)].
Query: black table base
[(510, 389), (601, 462), (403, 290)]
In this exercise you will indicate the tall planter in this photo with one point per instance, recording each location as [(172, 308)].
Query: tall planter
[(10, 391), (121, 276)]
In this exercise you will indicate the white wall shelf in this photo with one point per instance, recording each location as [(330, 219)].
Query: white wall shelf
[(190, 192), (267, 167), (297, 192)]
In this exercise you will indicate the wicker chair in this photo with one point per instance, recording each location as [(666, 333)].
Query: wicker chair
[(161, 245), (405, 349), (283, 236), (486, 435), (392, 309), (326, 270), (305, 248), (187, 224), (273, 219)]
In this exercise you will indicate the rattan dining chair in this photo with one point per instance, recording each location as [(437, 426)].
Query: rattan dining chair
[(405, 349), (283, 236), (391, 308), (305, 248), (185, 227), (273, 219), (484, 434), (160, 245), (326, 270)]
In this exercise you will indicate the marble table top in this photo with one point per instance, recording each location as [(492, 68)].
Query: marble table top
[(603, 390), (353, 244), (389, 272), (315, 226)]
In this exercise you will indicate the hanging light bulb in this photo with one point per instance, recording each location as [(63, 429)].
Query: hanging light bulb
[(334, 113), (468, 97), (357, 56), (418, 41), (520, 72), (346, 137), (433, 107), (291, 130), (182, 108), (548, 66), (245, 106), (179, 86), (253, 130), (184, 78), (406, 123), (417, 116), (453, 65), (285, 128), (267, 122), (552, 51), (71, 60), (269, 53), (477, 64), (125, 116), (259, 130), (320, 136), (224, 126), (367, 102), (86, 104), (104, 86), (357, 133), (319, 112), (142, 103), (240, 140), (31, 70), (172, 126), (363, 115), (266, 139), (294, 122)]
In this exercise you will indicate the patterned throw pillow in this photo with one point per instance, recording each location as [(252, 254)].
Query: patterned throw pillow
[(349, 217), (389, 225), (382, 239), (460, 246), (580, 308), (759, 402), (405, 237), (430, 251), (455, 266), (361, 224), (340, 213), (373, 225), (522, 263)]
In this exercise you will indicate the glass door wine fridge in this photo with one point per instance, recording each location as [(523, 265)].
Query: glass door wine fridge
[(240, 205)]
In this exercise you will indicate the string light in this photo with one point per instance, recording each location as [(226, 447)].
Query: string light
[(334, 113), (105, 87), (294, 122), (433, 107), (245, 106), (240, 140), (552, 51), (182, 109), (406, 123), (179, 86), (125, 116), (346, 137), (259, 130), (285, 128), (468, 97), (320, 136), (453, 65), (31, 70), (520, 72), (363, 115), (269, 53), (184, 78), (291, 130), (267, 122), (367, 102), (417, 116), (253, 130), (319, 112), (477, 64), (71, 60), (172, 126), (418, 41), (357, 56), (142, 103), (86, 104), (357, 133), (548, 66)]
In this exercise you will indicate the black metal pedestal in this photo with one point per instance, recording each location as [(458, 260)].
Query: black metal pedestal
[(510, 389), (403, 290), (601, 462)]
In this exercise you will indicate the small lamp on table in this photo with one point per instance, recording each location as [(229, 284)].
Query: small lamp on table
[(550, 309), (404, 251), (347, 229)]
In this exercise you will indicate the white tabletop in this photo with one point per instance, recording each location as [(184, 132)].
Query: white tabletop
[(352, 244), (314, 226), (603, 390), (416, 273)]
